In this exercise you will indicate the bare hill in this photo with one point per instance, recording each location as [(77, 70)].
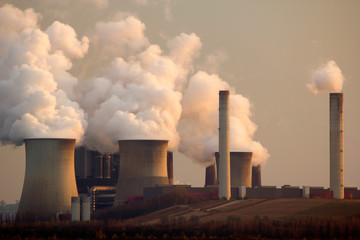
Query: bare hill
[(221, 210)]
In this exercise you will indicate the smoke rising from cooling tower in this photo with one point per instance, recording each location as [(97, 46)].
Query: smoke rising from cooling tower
[(110, 85), (328, 77), (199, 121), (36, 88)]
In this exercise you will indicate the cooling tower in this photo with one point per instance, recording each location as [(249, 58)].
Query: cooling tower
[(224, 145), (143, 163), (210, 177), (256, 176), (170, 167), (240, 168), (49, 180), (336, 145)]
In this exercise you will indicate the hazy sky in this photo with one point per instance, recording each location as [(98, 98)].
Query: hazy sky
[(266, 50)]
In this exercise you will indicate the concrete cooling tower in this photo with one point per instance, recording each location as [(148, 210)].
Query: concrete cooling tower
[(240, 168), (49, 180), (170, 167), (224, 145), (256, 176), (337, 145), (143, 163), (210, 176)]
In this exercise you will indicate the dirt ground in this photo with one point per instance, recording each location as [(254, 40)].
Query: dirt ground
[(283, 208)]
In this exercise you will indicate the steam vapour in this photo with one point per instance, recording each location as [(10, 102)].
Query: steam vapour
[(138, 97), (36, 89), (328, 77), (199, 122), (121, 87)]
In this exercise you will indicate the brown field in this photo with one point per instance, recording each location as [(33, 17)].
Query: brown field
[(274, 209)]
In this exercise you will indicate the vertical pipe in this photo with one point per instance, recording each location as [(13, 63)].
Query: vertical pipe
[(170, 167), (336, 145), (224, 145)]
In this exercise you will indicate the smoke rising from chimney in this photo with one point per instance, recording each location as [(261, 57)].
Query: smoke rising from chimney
[(328, 77)]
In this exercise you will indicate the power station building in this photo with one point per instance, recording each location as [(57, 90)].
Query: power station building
[(57, 173)]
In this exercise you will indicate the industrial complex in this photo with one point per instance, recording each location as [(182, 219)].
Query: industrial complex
[(61, 181)]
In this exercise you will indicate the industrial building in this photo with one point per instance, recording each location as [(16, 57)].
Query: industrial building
[(60, 178)]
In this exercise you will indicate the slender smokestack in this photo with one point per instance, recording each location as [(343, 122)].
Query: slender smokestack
[(170, 167), (142, 164), (49, 180), (224, 145), (336, 145), (210, 178), (256, 176)]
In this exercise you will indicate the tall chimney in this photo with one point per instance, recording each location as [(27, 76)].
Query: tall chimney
[(49, 180), (256, 176), (210, 178), (337, 145), (224, 145), (170, 167)]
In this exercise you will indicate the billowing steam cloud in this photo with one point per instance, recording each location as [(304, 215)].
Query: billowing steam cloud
[(200, 120), (35, 85), (138, 97), (129, 88), (328, 77)]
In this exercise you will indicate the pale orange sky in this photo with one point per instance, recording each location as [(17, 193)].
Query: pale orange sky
[(267, 50)]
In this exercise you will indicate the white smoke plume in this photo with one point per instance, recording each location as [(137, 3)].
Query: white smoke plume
[(128, 87), (328, 77), (34, 78), (117, 36), (200, 120), (139, 97)]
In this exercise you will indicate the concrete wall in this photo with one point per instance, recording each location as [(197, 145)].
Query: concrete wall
[(49, 179), (143, 163)]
